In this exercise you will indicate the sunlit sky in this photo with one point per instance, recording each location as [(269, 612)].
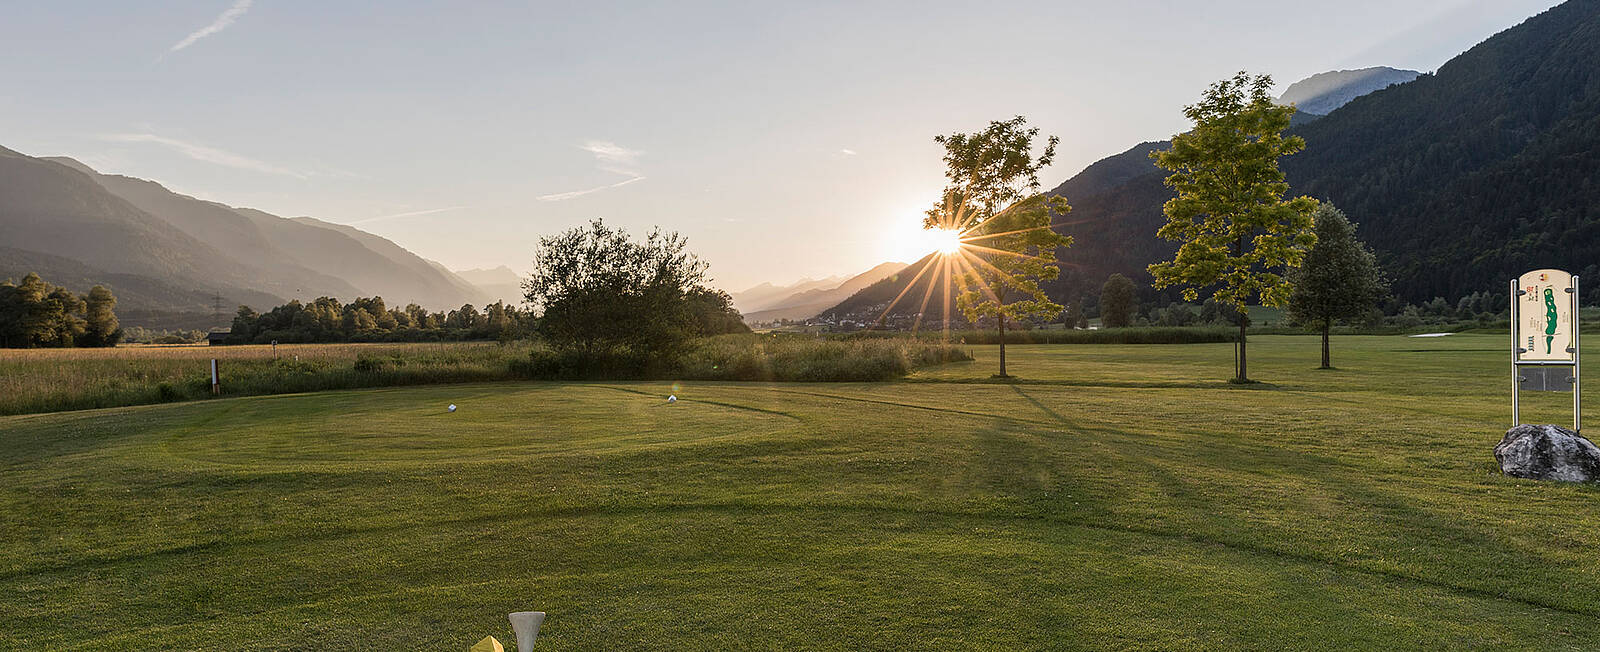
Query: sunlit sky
[(785, 140)]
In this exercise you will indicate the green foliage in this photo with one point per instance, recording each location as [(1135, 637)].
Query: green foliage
[(1339, 279), (993, 200), (1117, 302), (1234, 228), (605, 294), (100, 319), (1237, 234), (35, 314), (1469, 177), (1017, 250), (369, 319)]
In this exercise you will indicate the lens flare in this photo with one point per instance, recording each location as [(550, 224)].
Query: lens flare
[(946, 241)]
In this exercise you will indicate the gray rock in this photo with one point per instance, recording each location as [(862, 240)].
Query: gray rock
[(1546, 452)]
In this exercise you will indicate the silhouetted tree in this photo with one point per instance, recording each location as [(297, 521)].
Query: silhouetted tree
[(601, 291), (1117, 302), (993, 201)]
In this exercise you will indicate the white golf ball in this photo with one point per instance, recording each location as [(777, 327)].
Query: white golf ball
[(452, 407)]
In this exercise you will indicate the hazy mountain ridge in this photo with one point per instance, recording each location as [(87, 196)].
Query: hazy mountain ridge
[(1323, 92), (767, 295), (501, 283), (809, 303), (164, 252), (54, 210), (222, 227)]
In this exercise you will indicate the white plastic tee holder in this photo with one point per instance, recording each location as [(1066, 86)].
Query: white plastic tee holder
[(526, 625)]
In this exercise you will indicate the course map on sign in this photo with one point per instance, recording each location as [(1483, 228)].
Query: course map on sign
[(1544, 316)]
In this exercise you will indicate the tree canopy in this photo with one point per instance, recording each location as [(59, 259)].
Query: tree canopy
[(992, 201), (370, 319), (1339, 279), (1237, 234), (601, 291), (1117, 302), (35, 313)]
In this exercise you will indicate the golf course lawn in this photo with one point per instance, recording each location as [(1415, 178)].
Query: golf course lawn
[(1117, 497)]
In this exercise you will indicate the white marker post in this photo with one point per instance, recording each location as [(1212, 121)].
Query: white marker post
[(1544, 338), (216, 382)]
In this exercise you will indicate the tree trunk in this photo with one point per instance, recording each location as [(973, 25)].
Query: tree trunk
[(1326, 363), (1243, 377), (1244, 318), (1002, 345)]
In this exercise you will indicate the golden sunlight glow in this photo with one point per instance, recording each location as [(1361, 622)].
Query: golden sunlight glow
[(945, 241)]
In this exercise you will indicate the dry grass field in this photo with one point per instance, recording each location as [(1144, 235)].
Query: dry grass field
[(46, 380)]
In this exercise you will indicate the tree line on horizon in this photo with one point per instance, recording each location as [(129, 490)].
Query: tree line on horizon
[(37, 314), (593, 290)]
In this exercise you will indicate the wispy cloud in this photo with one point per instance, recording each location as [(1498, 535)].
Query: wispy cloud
[(847, 152), (429, 211), (221, 23), (206, 154), (614, 157), (609, 157), (562, 196)]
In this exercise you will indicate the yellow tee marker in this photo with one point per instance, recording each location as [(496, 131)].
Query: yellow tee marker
[(488, 644)]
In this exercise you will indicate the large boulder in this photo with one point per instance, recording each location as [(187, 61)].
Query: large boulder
[(1546, 452)]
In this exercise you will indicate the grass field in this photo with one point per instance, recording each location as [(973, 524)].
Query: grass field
[(1119, 497), (52, 380)]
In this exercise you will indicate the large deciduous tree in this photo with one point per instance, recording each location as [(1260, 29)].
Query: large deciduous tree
[(992, 200), (1117, 302), (1238, 234), (1339, 279), (100, 318), (604, 292), (34, 313)]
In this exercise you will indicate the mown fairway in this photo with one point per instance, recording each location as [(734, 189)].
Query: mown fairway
[(1122, 497)]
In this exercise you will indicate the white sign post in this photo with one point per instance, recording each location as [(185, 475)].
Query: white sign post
[(1544, 338)]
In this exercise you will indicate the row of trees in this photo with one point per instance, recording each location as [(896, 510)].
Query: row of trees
[(369, 319), (594, 291), (1240, 240), (35, 313)]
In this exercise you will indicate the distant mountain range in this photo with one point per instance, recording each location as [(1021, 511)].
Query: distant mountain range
[(1459, 179), (806, 299), (500, 283), (767, 295), (1321, 93), (172, 258)]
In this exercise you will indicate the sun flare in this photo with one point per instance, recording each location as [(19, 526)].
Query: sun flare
[(945, 241)]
